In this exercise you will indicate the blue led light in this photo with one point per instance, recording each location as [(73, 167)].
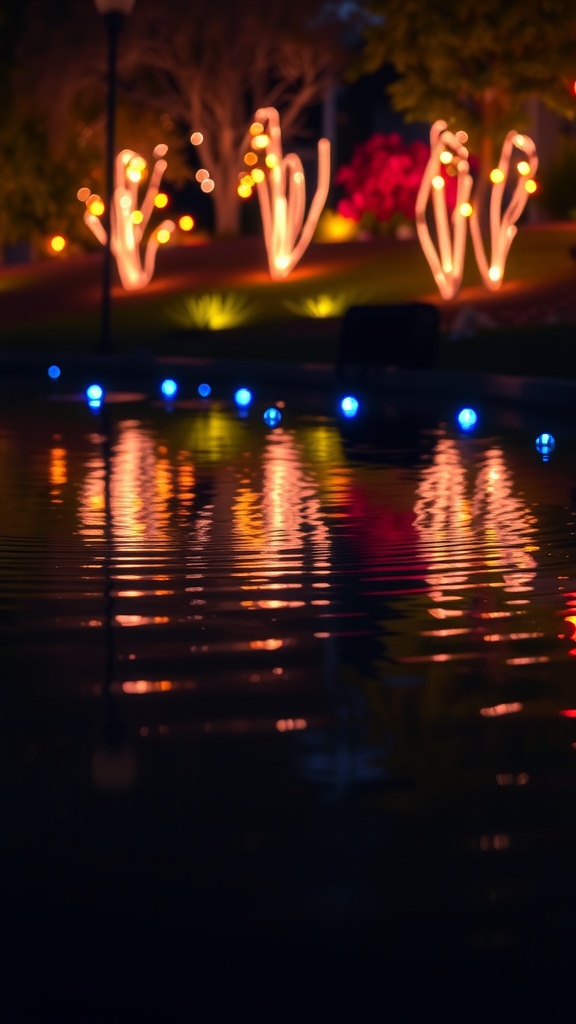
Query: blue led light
[(272, 417), (53, 372), (204, 390), (545, 444), (95, 403), (349, 406), (243, 397), (467, 419), (94, 393), (168, 388)]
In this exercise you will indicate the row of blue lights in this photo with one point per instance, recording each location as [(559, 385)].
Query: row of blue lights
[(467, 418), (545, 443)]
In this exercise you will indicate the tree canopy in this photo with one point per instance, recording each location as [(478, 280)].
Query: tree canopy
[(475, 63)]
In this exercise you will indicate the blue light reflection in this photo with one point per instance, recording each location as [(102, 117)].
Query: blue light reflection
[(467, 419), (169, 387), (243, 397), (545, 444), (349, 406), (94, 393), (272, 417)]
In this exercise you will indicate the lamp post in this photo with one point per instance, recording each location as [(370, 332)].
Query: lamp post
[(114, 13)]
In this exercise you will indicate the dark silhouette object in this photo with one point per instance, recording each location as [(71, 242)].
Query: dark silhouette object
[(406, 336)]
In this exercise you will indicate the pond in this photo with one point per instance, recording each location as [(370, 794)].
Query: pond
[(288, 712)]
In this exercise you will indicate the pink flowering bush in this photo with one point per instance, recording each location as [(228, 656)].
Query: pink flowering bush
[(382, 181)]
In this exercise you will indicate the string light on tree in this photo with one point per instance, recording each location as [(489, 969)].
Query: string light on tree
[(503, 223), (202, 175), (129, 219), (281, 187), (448, 151)]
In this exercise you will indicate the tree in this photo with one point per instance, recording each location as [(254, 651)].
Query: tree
[(475, 64), (25, 194), (202, 67), (211, 66)]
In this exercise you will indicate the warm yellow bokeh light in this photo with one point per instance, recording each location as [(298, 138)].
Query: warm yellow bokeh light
[(163, 236), (244, 191), (256, 128), (57, 243), (523, 167), (530, 185), (466, 209), (496, 176), (495, 273), (134, 174), (260, 141), (446, 157), (258, 175), (271, 160), (247, 180), (137, 216), (437, 181), (207, 185), (96, 207), (196, 138), (161, 200), (250, 159), (186, 222)]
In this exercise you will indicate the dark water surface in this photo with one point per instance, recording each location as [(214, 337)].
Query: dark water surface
[(288, 716)]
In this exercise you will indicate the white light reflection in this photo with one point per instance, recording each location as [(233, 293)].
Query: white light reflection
[(143, 482), (477, 539), (277, 521)]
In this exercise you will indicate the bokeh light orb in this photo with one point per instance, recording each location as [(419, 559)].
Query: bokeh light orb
[(545, 444), (54, 372), (467, 419), (272, 417), (243, 397), (168, 387), (94, 393), (204, 390), (349, 406)]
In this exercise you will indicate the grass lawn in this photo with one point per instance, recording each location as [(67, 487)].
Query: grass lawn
[(217, 300)]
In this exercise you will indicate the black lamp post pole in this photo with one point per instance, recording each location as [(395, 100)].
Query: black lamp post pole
[(113, 20)]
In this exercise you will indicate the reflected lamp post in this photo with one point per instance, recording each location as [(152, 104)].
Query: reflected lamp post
[(114, 13)]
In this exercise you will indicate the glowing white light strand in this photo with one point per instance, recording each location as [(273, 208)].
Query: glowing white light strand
[(447, 264), (128, 222), (502, 225), (282, 196)]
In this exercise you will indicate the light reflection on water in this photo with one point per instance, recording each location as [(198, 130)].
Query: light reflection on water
[(380, 606), (204, 519)]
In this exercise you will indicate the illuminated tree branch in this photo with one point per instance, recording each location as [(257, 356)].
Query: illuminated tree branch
[(281, 189), (447, 150), (128, 221), (447, 263), (502, 225)]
